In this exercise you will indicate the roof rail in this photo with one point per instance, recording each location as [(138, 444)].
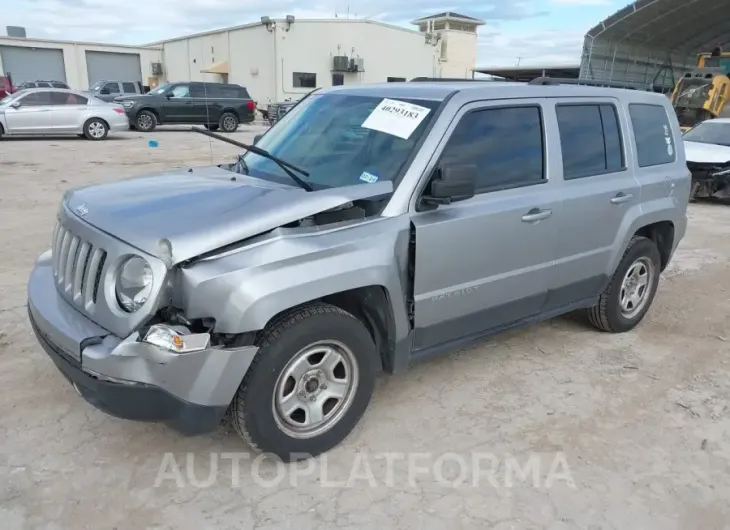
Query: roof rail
[(446, 79), (589, 82)]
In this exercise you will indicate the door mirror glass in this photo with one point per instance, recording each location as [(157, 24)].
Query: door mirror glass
[(15, 104), (451, 183)]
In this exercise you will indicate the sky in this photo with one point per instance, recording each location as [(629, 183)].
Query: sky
[(521, 32)]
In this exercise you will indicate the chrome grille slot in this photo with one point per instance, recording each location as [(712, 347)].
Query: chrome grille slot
[(77, 267)]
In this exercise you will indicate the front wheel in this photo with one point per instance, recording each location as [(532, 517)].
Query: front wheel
[(308, 385), (95, 129), (632, 288), (146, 121)]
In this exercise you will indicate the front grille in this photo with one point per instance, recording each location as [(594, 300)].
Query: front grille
[(77, 267), (276, 111)]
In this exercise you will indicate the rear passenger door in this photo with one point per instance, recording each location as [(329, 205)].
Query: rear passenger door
[(207, 102), (485, 262), (599, 191), (67, 112)]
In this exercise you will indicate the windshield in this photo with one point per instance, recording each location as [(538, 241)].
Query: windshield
[(97, 86), (710, 132), (339, 140), (159, 90)]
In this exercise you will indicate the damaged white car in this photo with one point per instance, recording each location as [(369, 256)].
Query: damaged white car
[(707, 147)]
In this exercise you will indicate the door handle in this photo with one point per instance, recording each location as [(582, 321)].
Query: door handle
[(535, 215), (621, 198)]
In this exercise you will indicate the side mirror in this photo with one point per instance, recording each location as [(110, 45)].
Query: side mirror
[(257, 138), (104, 91), (169, 95), (16, 104), (451, 183)]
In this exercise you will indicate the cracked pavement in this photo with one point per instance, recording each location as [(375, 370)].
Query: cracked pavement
[(475, 439)]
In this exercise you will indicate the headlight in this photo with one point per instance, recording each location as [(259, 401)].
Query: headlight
[(134, 284), (128, 104)]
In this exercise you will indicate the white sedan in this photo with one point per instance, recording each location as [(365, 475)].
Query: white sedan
[(53, 111), (707, 148)]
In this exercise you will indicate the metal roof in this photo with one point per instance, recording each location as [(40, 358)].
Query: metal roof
[(684, 25), (449, 14), (527, 73)]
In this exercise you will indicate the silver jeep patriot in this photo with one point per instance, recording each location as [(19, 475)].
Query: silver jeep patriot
[(371, 227)]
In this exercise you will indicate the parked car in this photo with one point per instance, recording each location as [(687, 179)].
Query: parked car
[(215, 105), (376, 226), (55, 111), (42, 84), (707, 146), (110, 90)]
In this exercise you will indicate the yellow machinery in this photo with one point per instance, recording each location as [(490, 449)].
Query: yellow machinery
[(702, 93)]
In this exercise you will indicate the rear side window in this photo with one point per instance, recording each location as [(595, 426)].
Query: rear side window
[(67, 98), (129, 88), (43, 84), (590, 140), (653, 133), (506, 145)]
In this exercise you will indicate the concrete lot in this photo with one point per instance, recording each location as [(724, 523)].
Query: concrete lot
[(625, 431)]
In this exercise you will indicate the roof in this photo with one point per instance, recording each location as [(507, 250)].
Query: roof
[(682, 25), (282, 20), (527, 73), (449, 14), (29, 41)]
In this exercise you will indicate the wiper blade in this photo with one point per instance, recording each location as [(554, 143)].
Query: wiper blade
[(283, 164)]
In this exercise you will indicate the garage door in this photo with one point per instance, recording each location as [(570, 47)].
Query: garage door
[(31, 64), (113, 66)]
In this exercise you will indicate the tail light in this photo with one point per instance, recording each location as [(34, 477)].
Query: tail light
[(250, 105), (119, 110)]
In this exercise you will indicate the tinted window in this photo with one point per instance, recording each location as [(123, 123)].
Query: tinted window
[(67, 98), (304, 80), (36, 99), (505, 144), (654, 141), (129, 88), (59, 85), (43, 84), (113, 88), (396, 79), (199, 90), (590, 140), (338, 79)]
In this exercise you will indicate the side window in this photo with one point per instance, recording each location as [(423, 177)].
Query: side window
[(113, 88), (36, 99), (338, 79), (201, 90), (67, 98), (506, 145), (181, 91), (590, 140), (43, 84), (129, 88), (60, 85), (654, 141), (304, 80)]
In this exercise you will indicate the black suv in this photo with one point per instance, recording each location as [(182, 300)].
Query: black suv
[(215, 105)]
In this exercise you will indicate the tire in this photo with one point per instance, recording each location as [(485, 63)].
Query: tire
[(145, 121), (608, 314), (256, 409), (228, 122), (95, 129)]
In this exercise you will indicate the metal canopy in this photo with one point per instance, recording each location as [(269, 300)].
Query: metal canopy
[(686, 26)]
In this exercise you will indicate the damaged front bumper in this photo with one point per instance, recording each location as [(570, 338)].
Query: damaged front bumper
[(130, 378), (709, 180)]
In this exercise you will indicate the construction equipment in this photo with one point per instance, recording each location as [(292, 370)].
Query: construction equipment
[(702, 93)]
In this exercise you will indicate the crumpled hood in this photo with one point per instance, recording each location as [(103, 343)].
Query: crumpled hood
[(197, 210), (706, 153)]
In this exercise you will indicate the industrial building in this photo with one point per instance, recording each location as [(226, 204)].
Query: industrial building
[(275, 59)]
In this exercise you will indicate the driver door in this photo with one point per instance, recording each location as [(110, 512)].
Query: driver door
[(485, 262), (178, 106), (31, 116)]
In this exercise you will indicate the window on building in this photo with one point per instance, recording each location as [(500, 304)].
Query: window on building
[(304, 80), (422, 28), (439, 25), (505, 144), (459, 26), (129, 88), (67, 98), (653, 133), (396, 79), (338, 79), (591, 140)]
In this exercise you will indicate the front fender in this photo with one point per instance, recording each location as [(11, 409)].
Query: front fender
[(245, 289)]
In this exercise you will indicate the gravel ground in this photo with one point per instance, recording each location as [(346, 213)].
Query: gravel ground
[(551, 426)]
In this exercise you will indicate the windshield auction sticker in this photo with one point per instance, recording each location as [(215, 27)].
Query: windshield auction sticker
[(396, 117)]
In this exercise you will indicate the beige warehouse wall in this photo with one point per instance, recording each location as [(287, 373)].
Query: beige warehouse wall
[(74, 56)]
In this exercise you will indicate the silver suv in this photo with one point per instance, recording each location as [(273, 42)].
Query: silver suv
[(372, 227)]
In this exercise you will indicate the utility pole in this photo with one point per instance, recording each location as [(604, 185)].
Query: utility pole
[(519, 59)]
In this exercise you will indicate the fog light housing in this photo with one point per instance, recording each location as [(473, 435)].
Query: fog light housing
[(168, 338)]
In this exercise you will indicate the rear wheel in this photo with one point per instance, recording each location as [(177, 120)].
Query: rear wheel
[(308, 385), (95, 129), (146, 121), (228, 122), (632, 289)]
